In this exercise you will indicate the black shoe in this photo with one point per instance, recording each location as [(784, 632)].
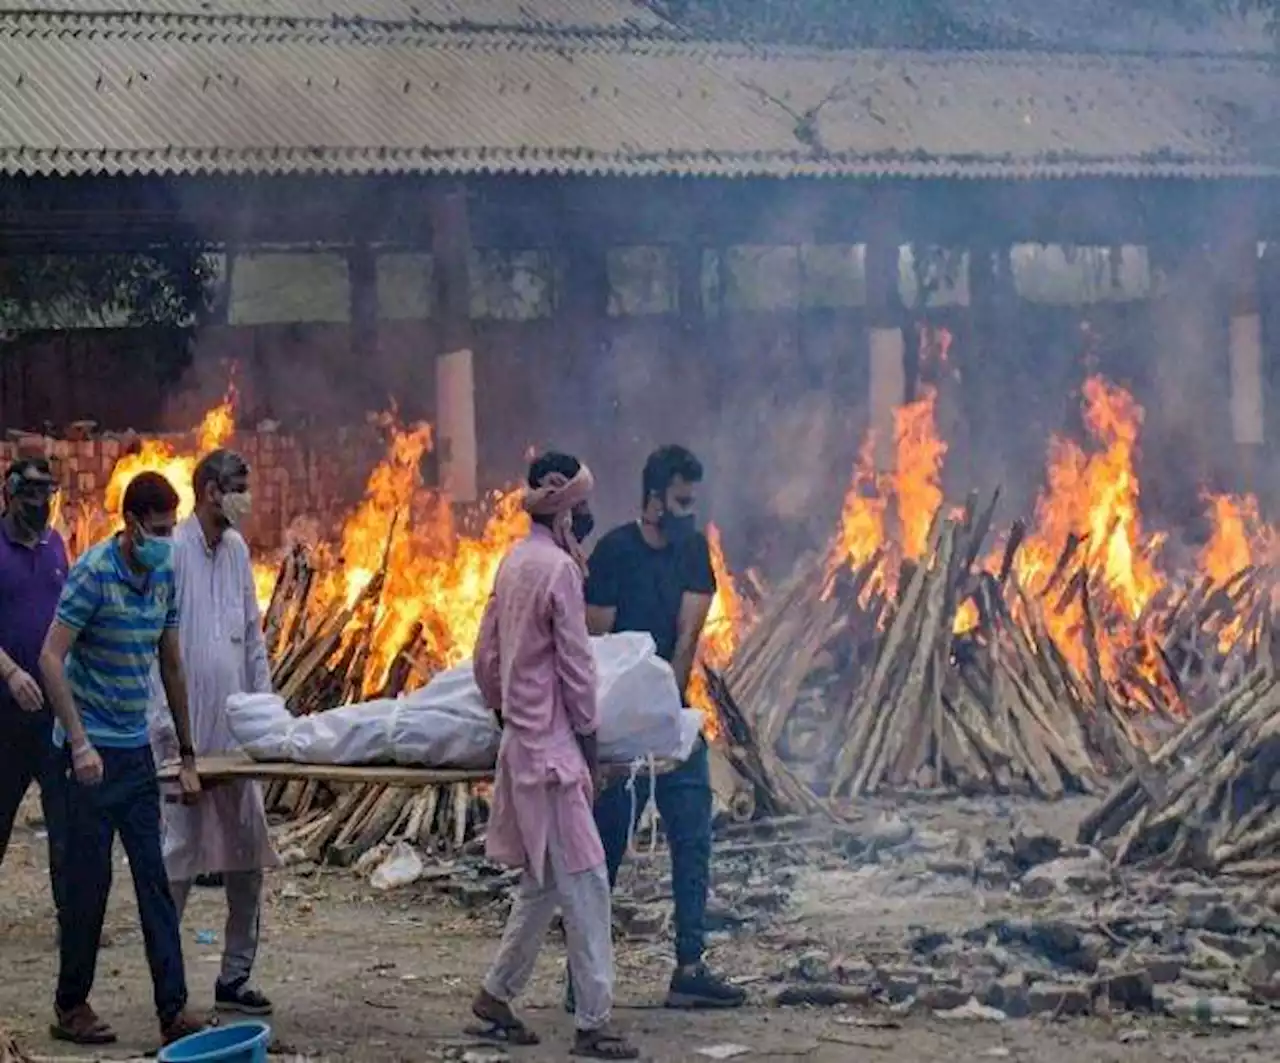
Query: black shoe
[(241, 999), (697, 987)]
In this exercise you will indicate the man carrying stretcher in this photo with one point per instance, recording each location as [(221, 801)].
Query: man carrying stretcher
[(534, 666)]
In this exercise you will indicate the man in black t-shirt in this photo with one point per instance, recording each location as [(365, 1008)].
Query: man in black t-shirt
[(655, 575)]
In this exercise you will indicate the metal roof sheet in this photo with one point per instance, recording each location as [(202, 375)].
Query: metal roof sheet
[(137, 93), (621, 16)]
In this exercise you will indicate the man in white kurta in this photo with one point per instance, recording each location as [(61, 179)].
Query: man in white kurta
[(224, 653)]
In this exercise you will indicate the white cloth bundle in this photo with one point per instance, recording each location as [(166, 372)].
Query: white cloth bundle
[(446, 724)]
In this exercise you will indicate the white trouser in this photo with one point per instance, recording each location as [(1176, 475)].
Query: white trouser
[(583, 900), (244, 908)]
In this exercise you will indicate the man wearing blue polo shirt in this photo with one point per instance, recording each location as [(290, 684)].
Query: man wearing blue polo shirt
[(117, 612)]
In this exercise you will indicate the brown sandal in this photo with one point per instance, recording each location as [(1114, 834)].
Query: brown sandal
[(603, 1044), (184, 1024), (503, 1028), (81, 1026)]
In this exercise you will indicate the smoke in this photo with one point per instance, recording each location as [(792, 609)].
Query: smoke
[(771, 395)]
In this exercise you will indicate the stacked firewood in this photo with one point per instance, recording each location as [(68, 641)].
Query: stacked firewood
[(848, 683), (1204, 638), (860, 689), (319, 661), (342, 825), (1209, 797), (320, 656), (846, 686)]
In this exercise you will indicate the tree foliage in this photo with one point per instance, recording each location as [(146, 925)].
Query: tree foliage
[(166, 287)]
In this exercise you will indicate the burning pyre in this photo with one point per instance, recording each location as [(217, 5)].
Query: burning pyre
[(1087, 529), (1097, 624), (397, 593), (911, 655)]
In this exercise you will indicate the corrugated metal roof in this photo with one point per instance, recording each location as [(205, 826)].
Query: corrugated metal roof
[(618, 16), (138, 94)]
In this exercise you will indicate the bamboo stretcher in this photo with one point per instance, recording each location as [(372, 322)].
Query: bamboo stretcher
[(225, 768), (341, 812)]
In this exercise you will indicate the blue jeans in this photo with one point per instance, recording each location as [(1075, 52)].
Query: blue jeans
[(683, 797), (126, 802)]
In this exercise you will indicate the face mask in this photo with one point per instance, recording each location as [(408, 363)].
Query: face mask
[(677, 529), (236, 506), (583, 524), (30, 516), (151, 551)]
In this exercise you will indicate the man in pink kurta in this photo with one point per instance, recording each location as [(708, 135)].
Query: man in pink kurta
[(534, 667)]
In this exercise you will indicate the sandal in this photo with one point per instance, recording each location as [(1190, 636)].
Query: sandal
[(502, 1029), (184, 1024), (603, 1044), (81, 1026)]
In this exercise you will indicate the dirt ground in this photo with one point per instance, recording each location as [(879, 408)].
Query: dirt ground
[(362, 976)]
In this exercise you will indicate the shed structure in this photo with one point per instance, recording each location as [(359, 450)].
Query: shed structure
[(681, 227)]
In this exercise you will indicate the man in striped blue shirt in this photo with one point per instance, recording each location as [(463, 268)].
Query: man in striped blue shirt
[(117, 612)]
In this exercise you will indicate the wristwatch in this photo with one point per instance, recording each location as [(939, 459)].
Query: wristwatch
[(186, 753)]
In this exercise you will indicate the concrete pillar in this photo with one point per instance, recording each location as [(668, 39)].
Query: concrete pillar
[(1188, 419), (886, 344), (456, 457), (1244, 346)]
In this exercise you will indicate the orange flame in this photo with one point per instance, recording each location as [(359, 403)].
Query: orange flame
[(158, 455), (862, 521), (910, 494), (1093, 495), (917, 475), (1239, 537), (437, 575), (90, 524), (725, 623)]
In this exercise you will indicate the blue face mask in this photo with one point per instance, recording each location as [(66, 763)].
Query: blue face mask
[(151, 551)]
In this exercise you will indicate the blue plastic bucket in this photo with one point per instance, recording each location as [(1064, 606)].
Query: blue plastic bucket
[(242, 1042)]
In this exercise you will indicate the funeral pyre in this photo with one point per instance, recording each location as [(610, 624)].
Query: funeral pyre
[(921, 649), (392, 598), (913, 654)]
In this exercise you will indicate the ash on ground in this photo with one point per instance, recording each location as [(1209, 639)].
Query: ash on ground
[(971, 909)]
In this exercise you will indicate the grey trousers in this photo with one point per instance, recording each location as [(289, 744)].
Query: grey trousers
[(583, 900), (244, 909)]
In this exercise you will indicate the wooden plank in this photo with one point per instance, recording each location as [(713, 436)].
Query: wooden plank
[(216, 769), (223, 768)]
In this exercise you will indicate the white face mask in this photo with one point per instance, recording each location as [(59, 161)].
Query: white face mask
[(236, 507)]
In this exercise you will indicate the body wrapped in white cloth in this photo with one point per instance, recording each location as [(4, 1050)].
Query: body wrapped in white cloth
[(447, 725)]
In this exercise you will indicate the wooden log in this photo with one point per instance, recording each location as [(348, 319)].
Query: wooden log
[(855, 749), (336, 819), (426, 828), (372, 827), (1103, 820)]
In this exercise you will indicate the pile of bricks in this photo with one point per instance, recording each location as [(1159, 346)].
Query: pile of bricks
[(84, 465), (293, 477)]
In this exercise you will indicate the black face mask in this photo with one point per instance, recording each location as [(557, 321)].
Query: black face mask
[(31, 516), (583, 524), (676, 529)]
